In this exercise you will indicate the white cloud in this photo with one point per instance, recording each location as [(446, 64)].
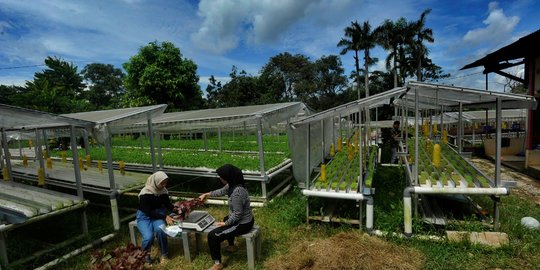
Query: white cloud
[(301, 25), (499, 27)]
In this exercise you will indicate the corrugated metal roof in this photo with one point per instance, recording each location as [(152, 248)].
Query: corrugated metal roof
[(526, 46)]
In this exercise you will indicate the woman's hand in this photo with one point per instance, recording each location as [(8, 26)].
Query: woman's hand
[(220, 224), (169, 220), (203, 197)]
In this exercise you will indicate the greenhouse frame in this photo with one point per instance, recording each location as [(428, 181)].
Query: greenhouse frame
[(258, 118), (314, 137), (24, 204), (433, 99)]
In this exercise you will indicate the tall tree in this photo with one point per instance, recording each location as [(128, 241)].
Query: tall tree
[(159, 74), (243, 89), (105, 85), (352, 42), (288, 78), (57, 89), (421, 33), (8, 94), (330, 83), (213, 91), (368, 40), (393, 36)]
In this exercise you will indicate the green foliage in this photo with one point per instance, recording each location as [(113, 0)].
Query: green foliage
[(243, 89), (188, 158), (105, 83), (159, 74), (291, 76), (57, 89)]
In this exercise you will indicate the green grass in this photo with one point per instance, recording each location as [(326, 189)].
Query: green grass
[(283, 224)]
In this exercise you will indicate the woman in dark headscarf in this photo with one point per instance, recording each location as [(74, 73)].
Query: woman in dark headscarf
[(153, 203), (240, 219)]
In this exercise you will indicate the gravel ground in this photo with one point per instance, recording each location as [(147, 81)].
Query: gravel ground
[(526, 185)]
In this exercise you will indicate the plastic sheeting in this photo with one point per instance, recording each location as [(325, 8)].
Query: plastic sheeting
[(433, 96), (475, 116), (305, 135), (113, 120), (232, 117), (17, 118), (310, 136)]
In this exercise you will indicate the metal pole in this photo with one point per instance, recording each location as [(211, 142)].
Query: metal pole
[(86, 144), (112, 184), (497, 161), (415, 173), (360, 160), (160, 154), (7, 154), (20, 145), (39, 153), (108, 153), (333, 133), (430, 123), (442, 123), (151, 138), (322, 141), (78, 180), (460, 128), (205, 140), (219, 138), (261, 153), (308, 169), (46, 141)]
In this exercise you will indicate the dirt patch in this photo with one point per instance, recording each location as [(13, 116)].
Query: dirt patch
[(526, 185), (350, 250)]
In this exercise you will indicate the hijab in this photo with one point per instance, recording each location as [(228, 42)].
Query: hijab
[(152, 184), (232, 175)]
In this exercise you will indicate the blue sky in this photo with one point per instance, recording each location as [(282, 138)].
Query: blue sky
[(219, 34)]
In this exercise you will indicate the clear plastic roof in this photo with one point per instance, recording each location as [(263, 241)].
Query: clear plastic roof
[(116, 117), (433, 96), (353, 107), (17, 118), (270, 114), (476, 116)]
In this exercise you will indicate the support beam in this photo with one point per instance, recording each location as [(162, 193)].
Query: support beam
[(151, 138)]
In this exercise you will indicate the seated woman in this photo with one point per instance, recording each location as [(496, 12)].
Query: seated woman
[(240, 219), (154, 203)]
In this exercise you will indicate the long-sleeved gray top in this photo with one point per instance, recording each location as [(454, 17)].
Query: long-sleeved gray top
[(239, 209)]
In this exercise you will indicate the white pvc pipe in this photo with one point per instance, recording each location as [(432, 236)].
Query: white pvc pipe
[(464, 191), (333, 195), (76, 252), (369, 216), (407, 215)]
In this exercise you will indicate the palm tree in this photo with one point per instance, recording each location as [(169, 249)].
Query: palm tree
[(418, 48), (392, 36), (368, 40), (351, 42)]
